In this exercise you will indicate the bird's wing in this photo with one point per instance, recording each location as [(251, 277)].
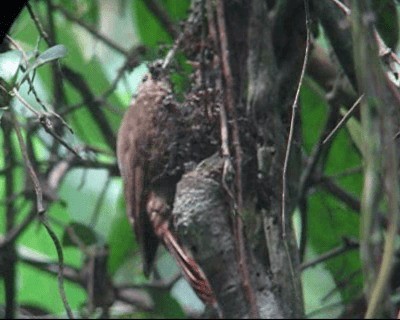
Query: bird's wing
[(130, 145), (147, 240)]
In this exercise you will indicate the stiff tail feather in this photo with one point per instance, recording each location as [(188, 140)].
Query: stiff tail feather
[(191, 271)]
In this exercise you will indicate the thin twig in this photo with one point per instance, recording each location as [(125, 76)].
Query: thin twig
[(163, 284), (38, 24), (14, 233), (60, 274), (24, 68), (293, 120), (338, 192), (346, 172), (70, 273), (307, 178), (44, 121), (92, 30), (343, 120), (191, 22), (31, 171), (25, 103), (224, 131), (18, 47), (346, 197), (80, 84), (131, 294), (230, 104), (171, 53), (40, 211), (347, 245), (384, 50), (130, 63)]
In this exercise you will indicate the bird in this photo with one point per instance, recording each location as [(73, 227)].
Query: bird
[(146, 151)]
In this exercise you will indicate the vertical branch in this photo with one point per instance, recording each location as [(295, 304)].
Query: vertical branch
[(372, 185), (230, 105), (378, 115), (59, 96), (9, 271), (40, 211), (293, 120), (339, 34)]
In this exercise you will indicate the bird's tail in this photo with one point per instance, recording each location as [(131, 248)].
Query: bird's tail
[(191, 270)]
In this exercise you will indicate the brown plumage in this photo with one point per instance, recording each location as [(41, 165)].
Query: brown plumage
[(146, 154)]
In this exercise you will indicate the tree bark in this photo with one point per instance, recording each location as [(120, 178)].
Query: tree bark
[(266, 51)]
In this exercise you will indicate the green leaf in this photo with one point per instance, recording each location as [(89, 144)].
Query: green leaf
[(53, 53), (81, 233), (9, 64), (326, 213)]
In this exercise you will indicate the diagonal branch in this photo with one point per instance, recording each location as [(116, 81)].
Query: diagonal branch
[(79, 83), (162, 16), (31, 171), (91, 29), (347, 245)]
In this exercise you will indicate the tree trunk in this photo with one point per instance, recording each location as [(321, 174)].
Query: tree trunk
[(266, 47)]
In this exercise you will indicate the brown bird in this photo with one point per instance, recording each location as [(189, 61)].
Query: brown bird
[(145, 152)]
